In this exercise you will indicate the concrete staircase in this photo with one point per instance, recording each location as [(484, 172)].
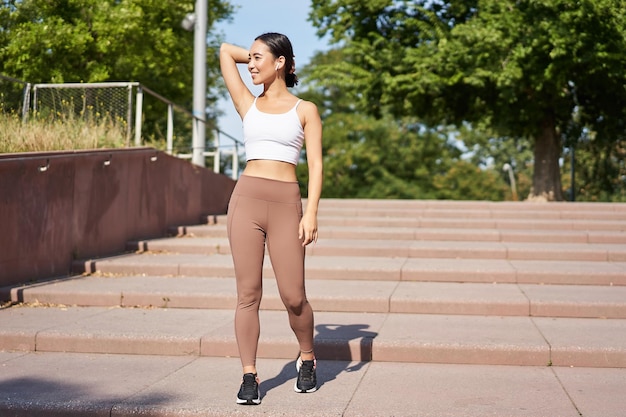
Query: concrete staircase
[(430, 286)]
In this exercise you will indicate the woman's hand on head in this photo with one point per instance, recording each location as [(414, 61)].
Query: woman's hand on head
[(230, 56)]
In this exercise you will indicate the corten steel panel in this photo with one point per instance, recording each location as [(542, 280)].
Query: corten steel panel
[(36, 207), (185, 191), (216, 191), (163, 192), (148, 183), (100, 202), (60, 206), (11, 180)]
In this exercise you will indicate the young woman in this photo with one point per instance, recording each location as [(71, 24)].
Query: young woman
[(265, 208)]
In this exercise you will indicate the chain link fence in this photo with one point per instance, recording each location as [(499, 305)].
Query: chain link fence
[(98, 101), (129, 106)]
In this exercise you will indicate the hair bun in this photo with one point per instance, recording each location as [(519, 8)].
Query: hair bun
[(291, 79)]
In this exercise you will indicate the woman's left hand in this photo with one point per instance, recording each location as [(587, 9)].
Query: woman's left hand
[(308, 229)]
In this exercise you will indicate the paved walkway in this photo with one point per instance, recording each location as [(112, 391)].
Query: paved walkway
[(83, 384)]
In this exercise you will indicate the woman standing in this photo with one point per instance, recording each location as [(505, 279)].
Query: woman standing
[(265, 208)]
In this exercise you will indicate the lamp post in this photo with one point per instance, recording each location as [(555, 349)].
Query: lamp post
[(508, 168), (198, 22)]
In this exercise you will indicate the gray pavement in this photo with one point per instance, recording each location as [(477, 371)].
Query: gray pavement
[(45, 384)]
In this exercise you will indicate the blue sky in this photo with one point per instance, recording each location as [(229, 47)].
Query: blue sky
[(254, 17)]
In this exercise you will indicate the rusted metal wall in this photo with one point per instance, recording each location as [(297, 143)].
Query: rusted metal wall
[(58, 207)]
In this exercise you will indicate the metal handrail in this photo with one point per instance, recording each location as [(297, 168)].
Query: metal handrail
[(170, 134), (170, 120)]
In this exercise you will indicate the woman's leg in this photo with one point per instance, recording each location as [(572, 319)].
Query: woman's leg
[(287, 256), (247, 242)]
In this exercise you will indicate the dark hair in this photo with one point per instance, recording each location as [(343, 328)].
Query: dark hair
[(279, 45)]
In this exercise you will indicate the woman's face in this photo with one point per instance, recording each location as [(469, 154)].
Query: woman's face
[(262, 64)]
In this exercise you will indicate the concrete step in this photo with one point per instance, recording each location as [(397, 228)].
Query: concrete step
[(463, 223), (468, 213), (374, 268), (574, 301), (471, 206), (601, 252), (433, 234), (381, 337), (89, 385), (458, 220)]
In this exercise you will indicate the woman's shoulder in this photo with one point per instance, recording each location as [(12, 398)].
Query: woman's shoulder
[(307, 111), (306, 106)]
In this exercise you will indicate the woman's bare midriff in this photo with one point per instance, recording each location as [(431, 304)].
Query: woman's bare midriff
[(274, 170)]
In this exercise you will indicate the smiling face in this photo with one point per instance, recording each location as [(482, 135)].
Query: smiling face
[(262, 65)]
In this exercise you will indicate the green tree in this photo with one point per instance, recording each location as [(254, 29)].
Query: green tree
[(385, 157), (465, 180), (600, 170), (61, 41), (486, 150), (521, 67)]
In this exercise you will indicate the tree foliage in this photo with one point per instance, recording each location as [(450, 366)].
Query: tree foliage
[(600, 170), (386, 157), (366, 157), (58, 41), (521, 67)]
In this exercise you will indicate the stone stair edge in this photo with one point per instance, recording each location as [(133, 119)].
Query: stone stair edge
[(418, 249), (502, 299), (495, 215), (339, 336), (380, 268), (461, 204), (533, 225), (506, 215), (433, 233), (480, 208)]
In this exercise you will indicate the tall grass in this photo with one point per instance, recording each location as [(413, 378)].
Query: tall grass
[(61, 133)]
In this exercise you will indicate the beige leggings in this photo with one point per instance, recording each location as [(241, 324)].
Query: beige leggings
[(264, 212)]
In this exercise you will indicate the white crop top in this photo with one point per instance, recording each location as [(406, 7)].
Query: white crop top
[(277, 137)]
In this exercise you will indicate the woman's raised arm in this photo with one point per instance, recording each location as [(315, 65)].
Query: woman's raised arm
[(230, 56)]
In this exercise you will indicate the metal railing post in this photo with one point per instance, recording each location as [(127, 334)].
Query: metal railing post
[(26, 103), (235, 173), (35, 100), (138, 115), (216, 158), (129, 114), (170, 129)]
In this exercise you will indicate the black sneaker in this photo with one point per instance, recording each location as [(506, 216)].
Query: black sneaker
[(249, 391), (307, 380)]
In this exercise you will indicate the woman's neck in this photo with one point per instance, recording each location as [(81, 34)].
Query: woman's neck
[(275, 90)]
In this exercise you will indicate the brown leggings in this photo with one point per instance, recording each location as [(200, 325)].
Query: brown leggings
[(264, 212)]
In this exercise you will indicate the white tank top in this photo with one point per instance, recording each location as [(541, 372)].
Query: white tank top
[(277, 137)]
